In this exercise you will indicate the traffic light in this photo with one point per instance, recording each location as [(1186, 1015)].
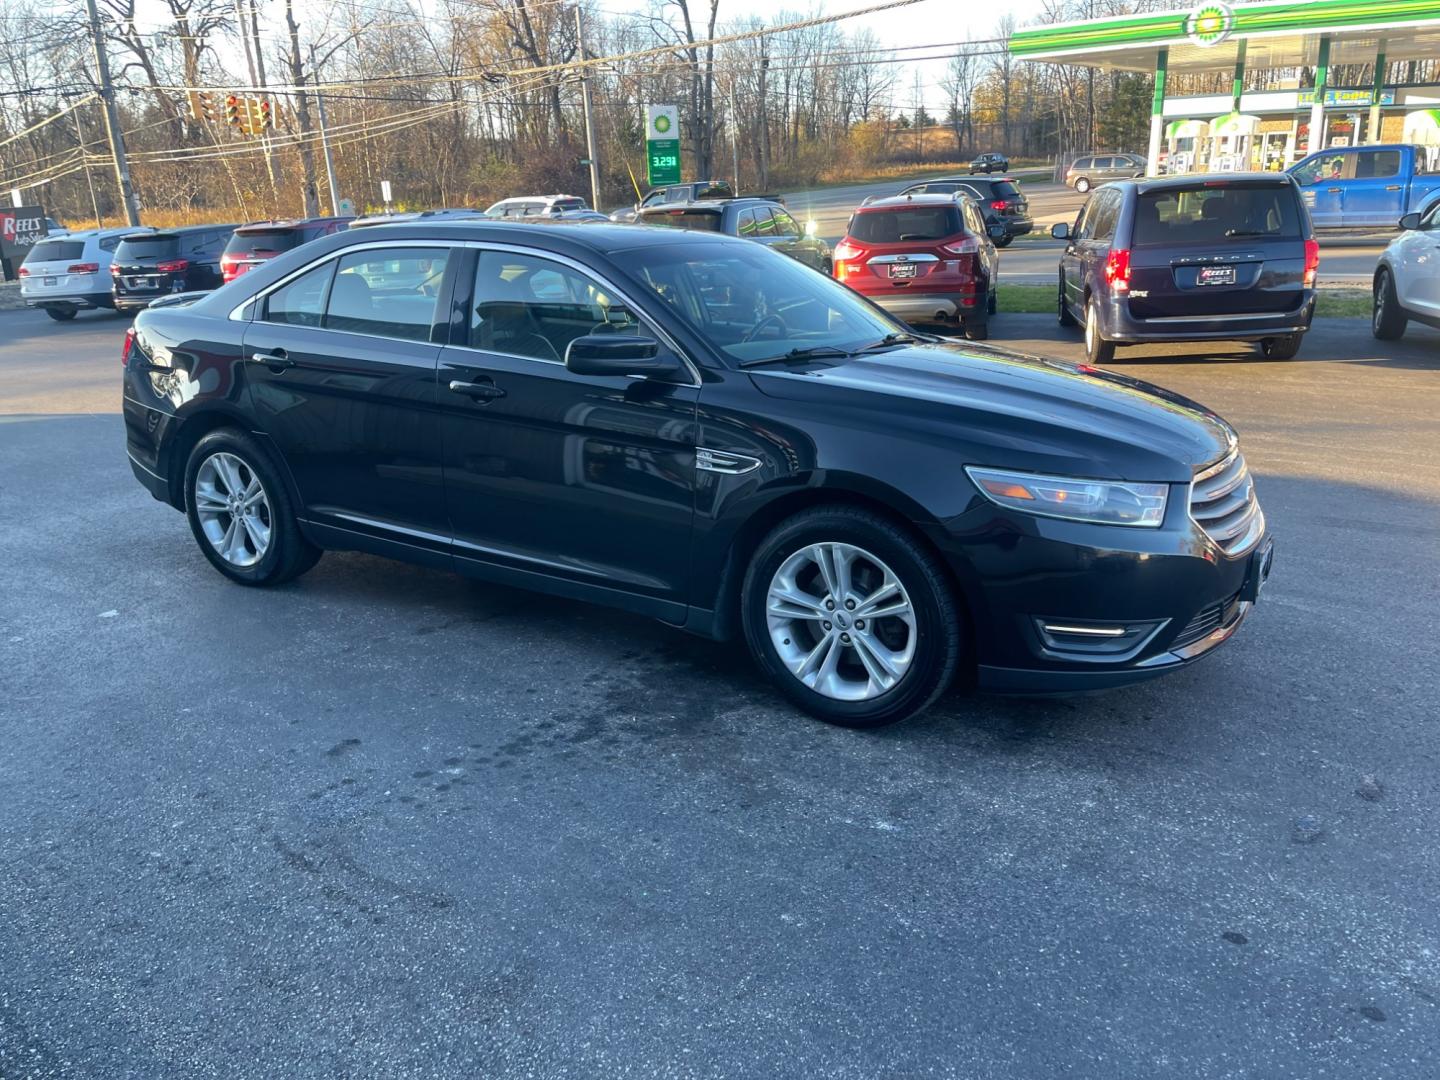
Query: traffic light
[(202, 105), (232, 111), (267, 115)]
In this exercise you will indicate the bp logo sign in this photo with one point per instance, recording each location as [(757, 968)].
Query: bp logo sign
[(1209, 24), (662, 123), (662, 144)]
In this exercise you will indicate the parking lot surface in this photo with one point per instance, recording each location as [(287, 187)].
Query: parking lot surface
[(387, 822)]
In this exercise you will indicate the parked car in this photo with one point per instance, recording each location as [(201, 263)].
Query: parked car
[(695, 428), (990, 163), (526, 206), (72, 273), (1092, 170), (366, 220), (1000, 200), (156, 264), (676, 193), (1366, 185), (1190, 259), (1407, 277), (255, 243), (929, 259), (762, 220)]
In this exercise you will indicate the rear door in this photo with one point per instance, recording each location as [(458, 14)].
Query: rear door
[(1376, 196), (341, 367), (1218, 248)]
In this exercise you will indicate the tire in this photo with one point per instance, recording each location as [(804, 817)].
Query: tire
[(60, 314), (1063, 315), (1004, 241), (1387, 318), (228, 462), (1281, 348), (975, 328), (1097, 350), (1082, 185), (920, 656)]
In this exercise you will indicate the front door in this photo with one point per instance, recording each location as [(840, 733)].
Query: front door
[(563, 481), (1417, 266), (341, 371)]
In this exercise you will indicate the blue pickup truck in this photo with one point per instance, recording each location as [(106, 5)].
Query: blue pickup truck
[(1366, 185)]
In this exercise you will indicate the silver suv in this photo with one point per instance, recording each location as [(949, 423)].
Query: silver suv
[(533, 206), (1092, 170), (71, 273)]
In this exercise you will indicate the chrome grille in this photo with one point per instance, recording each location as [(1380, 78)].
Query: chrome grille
[(1223, 503)]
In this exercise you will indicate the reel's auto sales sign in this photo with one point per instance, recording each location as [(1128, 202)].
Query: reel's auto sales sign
[(20, 228)]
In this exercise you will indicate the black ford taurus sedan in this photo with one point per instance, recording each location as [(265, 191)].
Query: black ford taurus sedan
[(702, 430)]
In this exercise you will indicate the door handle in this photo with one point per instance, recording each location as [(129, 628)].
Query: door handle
[(275, 361), (479, 391), (1333, 190), (1393, 187)]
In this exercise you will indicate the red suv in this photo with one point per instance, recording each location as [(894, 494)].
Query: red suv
[(925, 258), (252, 244)]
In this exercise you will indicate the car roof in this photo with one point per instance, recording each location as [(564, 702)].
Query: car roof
[(287, 223), (181, 230), (102, 234), (1203, 180), (896, 202), (713, 204)]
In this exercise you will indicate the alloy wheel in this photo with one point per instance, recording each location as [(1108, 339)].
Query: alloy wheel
[(233, 509), (1382, 285), (841, 621)]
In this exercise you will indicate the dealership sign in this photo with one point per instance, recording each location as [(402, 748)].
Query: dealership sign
[(20, 228)]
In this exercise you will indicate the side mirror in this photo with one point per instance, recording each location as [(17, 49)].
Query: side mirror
[(1060, 230), (1410, 221), (618, 354)]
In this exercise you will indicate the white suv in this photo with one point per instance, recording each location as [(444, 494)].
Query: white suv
[(66, 274), (531, 206), (1407, 277)]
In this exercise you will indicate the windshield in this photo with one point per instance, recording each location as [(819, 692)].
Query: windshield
[(155, 246), (909, 223), (55, 251), (703, 220), (1206, 215), (753, 303), (262, 241)]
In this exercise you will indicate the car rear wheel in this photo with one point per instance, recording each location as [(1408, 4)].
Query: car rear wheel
[(1082, 185), (975, 328), (240, 511), (1281, 348), (60, 314), (1097, 349), (1387, 318), (851, 617)]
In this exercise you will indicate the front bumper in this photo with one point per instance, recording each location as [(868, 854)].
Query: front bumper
[(1069, 607), (1126, 328)]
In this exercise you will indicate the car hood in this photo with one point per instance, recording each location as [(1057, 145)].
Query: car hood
[(1015, 411)]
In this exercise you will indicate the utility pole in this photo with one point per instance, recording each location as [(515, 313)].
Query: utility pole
[(764, 117), (734, 138), (590, 151), (302, 115), (112, 119), (325, 137), (89, 180)]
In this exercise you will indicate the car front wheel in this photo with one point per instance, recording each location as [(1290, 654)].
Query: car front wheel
[(240, 511), (1082, 185), (851, 617), (1387, 318)]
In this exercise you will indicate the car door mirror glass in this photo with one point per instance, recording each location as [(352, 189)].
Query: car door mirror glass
[(1410, 221), (1060, 230)]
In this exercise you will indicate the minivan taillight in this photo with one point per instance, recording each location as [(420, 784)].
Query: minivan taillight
[(1117, 269), (173, 266), (125, 349), (1312, 262), (83, 268)]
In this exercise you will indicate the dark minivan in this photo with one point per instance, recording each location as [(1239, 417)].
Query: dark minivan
[(1190, 259), (151, 265)]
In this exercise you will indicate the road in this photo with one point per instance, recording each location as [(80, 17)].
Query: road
[(386, 822), (1345, 260)]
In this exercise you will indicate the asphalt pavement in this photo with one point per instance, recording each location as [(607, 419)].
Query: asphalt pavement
[(1346, 259), (388, 822)]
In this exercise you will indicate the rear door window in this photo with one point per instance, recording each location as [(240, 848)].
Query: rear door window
[(1208, 215), (262, 242), (1377, 164), (908, 223), (387, 292), (301, 301), (56, 251)]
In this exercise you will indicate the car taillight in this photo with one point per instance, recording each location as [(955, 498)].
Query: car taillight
[(114, 270), (967, 246), (125, 349), (1117, 269), (83, 268), (174, 266), (845, 251), (1312, 262), (24, 272), (998, 204)]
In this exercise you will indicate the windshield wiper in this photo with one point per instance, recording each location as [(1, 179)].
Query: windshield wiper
[(814, 352), (1249, 232), (892, 339)]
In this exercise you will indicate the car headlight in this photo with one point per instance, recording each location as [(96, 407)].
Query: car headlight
[(1101, 502)]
